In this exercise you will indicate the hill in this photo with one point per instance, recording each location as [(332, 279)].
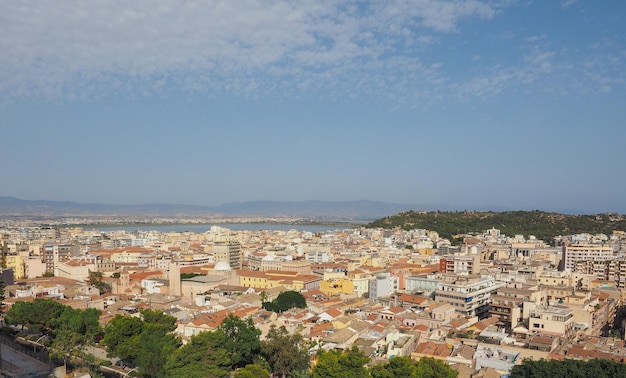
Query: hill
[(541, 224)]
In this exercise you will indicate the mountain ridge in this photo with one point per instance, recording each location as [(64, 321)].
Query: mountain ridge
[(361, 209)]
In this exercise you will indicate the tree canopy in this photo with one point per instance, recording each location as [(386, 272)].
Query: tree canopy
[(596, 368), (68, 330), (40, 315), (146, 342), (285, 301), (539, 223), (285, 353), (337, 364), (242, 340), (203, 356)]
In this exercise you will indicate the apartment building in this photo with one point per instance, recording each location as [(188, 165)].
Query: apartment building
[(470, 295), (460, 264), (552, 320), (229, 251), (613, 270), (580, 252), (55, 252)]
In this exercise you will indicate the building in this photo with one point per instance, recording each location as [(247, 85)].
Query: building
[(460, 264), (470, 295), (55, 252), (426, 283), (552, 320), (229, 251), (580, 252), (74, 269)]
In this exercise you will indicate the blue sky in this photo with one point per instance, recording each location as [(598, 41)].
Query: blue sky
[(468, 104)]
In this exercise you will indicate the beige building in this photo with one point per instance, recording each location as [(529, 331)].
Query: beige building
[(579, 252), (229, 251), (74, 269), (552, 320), (470, 295)]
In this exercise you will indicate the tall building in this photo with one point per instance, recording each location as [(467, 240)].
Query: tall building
[(580, 252), (229, 251), (460, 264), (54, 252)]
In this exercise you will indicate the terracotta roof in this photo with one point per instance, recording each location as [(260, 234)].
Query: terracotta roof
[(333, 312), (433, 349)]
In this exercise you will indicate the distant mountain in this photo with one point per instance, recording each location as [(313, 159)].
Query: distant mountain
[(345, 210)]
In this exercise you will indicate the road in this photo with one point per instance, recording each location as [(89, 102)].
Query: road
[(18, 364)]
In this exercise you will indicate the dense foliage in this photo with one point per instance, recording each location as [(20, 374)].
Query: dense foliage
[(66, 330), (351, 363), (146, 342), (541, 224), (285, 301), (406, 367), (595, 368), (285, 353)]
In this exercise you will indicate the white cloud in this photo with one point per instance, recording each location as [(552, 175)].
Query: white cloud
[(66, 49), (55, 48)]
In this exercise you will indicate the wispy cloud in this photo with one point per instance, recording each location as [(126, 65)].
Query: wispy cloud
[(66, 49)]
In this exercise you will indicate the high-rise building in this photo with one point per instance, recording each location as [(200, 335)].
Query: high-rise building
[(581, 252), (229, 251)]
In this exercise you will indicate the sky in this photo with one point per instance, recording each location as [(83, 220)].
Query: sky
[(477, 104)]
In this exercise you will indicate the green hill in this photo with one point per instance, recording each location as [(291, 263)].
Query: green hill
[(541, 224)]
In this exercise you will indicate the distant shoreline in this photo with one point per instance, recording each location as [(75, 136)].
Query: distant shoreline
[(234, 226)]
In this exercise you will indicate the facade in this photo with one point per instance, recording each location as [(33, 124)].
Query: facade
[(579, 252), (460, 264), (613, 270), (74, 269), (469, 295), (426, 283), (55, 252), (229, 251), (16, 262), (552, 320)]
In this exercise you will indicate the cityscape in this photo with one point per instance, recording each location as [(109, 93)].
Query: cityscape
[(264, 189), (482, 303)]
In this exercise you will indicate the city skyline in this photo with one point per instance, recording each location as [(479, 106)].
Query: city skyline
[(491, 104)]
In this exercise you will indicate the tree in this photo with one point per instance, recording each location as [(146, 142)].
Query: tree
[(121, 337), (252, 371), (146, 342), (285, 301), (568, 368), (40, 315), (284, 352), (18, 314), (96, 279), (2, 288), (158, 317), (203, 356), (396, 367), (156, 345), (242, 340), (337, 364), (431, 367)]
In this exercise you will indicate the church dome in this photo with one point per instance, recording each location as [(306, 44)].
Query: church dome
[(222, 266)]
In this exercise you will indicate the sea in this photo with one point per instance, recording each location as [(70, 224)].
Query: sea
[(201, 228)]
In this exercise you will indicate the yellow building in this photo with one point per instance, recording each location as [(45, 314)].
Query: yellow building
[(271, 279), (17, 263), (336, 286)]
